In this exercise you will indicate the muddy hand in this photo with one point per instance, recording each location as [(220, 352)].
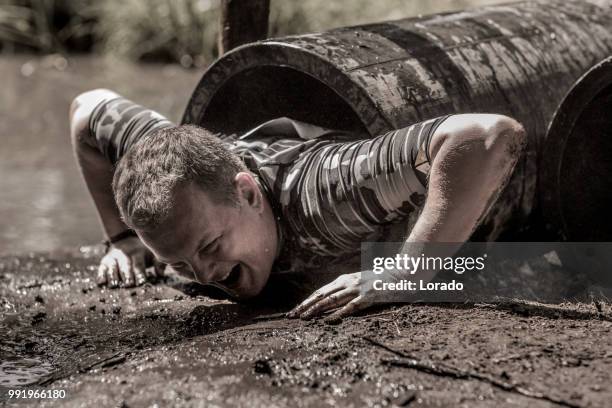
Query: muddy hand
[(124, 264), (347, 294)]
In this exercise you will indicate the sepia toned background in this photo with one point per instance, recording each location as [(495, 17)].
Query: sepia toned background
[(152, 51), (170, 343)]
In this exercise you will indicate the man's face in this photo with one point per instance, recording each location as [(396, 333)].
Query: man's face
[(231, 247)]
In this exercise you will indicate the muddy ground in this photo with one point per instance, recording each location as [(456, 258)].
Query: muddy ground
[(164, 344)]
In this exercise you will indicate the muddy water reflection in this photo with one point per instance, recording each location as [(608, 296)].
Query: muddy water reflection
[(23, 372), (43, 202)]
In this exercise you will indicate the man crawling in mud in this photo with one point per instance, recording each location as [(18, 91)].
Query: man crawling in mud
[(230, 210)]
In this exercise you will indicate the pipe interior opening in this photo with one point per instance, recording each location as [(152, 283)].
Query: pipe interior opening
[(254, 96), (586, 173)]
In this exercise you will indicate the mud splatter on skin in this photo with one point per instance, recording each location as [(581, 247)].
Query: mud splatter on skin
[(172, 348)]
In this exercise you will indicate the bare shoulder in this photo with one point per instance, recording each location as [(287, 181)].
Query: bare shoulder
[(87, 101), (477, 123), (80, 110), (490, 127)]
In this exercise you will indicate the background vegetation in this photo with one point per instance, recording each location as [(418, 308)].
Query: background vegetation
[(181, 31)]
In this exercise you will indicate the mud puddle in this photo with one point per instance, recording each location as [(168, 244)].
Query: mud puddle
[(23, 372), (168, 344)]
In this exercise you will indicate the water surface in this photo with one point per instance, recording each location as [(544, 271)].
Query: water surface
[(44, 204)]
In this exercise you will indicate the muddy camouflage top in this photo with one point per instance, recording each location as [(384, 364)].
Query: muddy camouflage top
[(330, 190)]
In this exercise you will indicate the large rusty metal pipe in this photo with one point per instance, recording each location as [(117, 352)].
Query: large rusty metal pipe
[(576, 162), (519, 59)]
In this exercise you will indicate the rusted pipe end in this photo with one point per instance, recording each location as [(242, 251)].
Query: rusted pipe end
[(576, 161), (268, 79), (517, 59)]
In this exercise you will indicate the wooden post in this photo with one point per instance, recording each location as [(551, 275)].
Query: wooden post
[(241, 22)]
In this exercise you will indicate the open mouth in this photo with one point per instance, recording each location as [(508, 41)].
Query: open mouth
[(233, 277)]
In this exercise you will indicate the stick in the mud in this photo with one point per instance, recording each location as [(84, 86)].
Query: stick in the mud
[(272, 316), (389, 349), (443, 371), (108, 361), (538, 309)]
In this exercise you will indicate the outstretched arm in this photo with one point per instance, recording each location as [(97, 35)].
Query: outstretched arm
[(472, 157), (95, 168), (125, 261)]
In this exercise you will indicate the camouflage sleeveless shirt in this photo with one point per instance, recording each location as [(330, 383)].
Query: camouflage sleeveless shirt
[(330, 190)]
